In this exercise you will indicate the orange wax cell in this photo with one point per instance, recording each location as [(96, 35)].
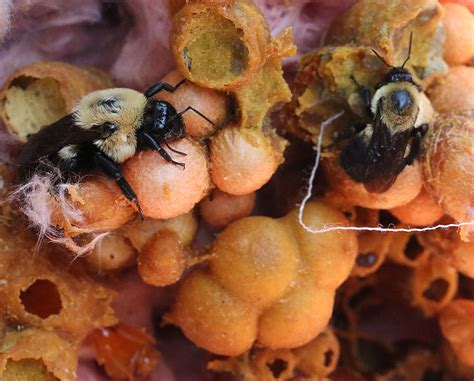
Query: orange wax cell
[(161, 261), (434, 285), (213, 104), (268, 281), (447, 164), (243, 160), (219, 209), (219, 45), (421, 211), (459, 28), (457, 327), (140, 232), (212, 317), (113, 252), (452, 91), (165, 190), (100, 206)]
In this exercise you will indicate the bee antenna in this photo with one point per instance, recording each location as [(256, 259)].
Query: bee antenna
[(191, 108), (381, 58), (409, 50)]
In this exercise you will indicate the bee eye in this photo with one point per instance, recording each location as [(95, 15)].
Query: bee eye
[(110, 127)]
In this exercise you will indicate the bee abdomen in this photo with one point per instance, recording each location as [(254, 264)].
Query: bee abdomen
[(354, 158)]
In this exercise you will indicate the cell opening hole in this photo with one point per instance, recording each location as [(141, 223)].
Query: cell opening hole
[(277, 367), (41, 299), (328, 357), (436, 290), (413, 249)]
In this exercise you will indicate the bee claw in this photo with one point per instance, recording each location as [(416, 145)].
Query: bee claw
[(139, 210), (180, 164)]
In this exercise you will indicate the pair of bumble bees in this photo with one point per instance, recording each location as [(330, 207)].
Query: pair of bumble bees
[(109, 126)]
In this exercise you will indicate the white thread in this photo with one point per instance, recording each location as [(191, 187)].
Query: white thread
[(379, 228)]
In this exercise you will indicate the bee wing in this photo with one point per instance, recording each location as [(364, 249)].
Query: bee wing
[(385, 157), (50, 140)]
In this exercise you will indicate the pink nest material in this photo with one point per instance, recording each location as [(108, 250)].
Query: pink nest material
[(34, 199)]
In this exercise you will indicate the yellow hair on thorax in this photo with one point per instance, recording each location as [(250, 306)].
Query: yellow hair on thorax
[(394, 121), (122, 107)]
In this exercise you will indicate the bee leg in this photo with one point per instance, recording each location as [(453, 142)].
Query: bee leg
[(128, 192), (191, 108), (173, 150), (160, 86), (421, 130), (152, 143), (365, 94), (112, 170), (418, 134)]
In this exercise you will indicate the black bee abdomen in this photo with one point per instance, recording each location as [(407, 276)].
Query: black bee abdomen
[(354, 159), (375, 161)]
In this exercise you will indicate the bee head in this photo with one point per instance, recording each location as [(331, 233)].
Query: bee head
[(162, 120), (398, 74)]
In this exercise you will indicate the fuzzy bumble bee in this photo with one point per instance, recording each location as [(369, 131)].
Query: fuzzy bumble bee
[(391, 140), (105, 129)]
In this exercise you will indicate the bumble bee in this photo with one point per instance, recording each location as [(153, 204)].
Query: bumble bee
[(105, 129), (382, 148)]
